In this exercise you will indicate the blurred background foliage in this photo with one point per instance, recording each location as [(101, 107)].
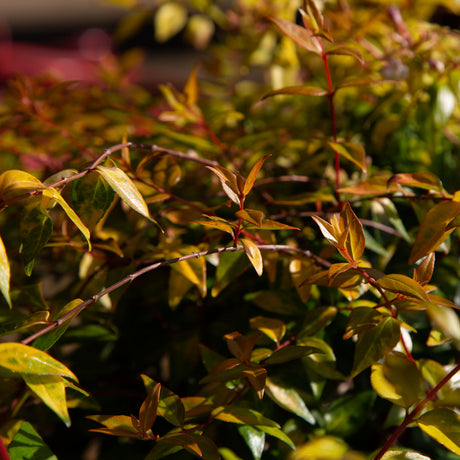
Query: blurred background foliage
[(401, 104)]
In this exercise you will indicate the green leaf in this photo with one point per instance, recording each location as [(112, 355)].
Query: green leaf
[(254, 255), (276, 302), (46, 341), (343, 50), (316, 320), (354, 241), (290, 353), (374, 343), (398, 380), (53, 194), (166, 173), (24, 322), (242, 415), (125, 189), (28, 444), (434, 229), (4, 273), (254, 439), (35, 229), (51, 390), (299, 90), (443, 425), (91, 198), (346, 415), (401, 284), (289, 398), (446, 320), (169, 19), (231, 265), (23, 359)]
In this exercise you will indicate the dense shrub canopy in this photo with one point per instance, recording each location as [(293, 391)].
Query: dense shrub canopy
[(263, 263)]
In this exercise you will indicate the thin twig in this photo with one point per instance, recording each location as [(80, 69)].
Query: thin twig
[(162, 263)]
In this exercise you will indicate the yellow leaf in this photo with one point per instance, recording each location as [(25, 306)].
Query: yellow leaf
[(254, 255), (169, 20), (51, 390), (14, 183), (4, 273)]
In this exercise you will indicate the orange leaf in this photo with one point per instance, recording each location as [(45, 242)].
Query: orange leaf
[(254, 255), (148, 410), (253, 174)]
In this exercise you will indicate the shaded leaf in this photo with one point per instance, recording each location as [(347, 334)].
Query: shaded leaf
[(424, 271), (289, 353), (277, 433), (28, 444), (271, 327), (434, 229), (276, 302), (148, 410), (251, 215), (228, 182), (344, 50), (374, 343), (424, 179), (328, 447), (446, 320), (353, 236), (35, 228), (351, 152), (231, 265), (16, 325), (166, 173), (443, 425)]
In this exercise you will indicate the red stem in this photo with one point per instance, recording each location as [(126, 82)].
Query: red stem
[(3, 452)]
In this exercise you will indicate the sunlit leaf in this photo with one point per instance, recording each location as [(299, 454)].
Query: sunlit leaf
[(23, 359), (115, 425), (327, 230), (401, 284), (251, 215), (242, 415), (403, 455), (216, 222), (254, 255), (446, 320), (125, 189), (425, 180), (344, 50), (254, 439), (299, 35), (398, 380), (228, 182), (169, 19), (253, 175), (4, 273), (71, 214), (434, 229), (299, 90), (51, 390), (327, 447), (271, 327), (374, 343), (277, 433), (443, 425), (14, 183), (354, 242), (256, 377), (289, 398)]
